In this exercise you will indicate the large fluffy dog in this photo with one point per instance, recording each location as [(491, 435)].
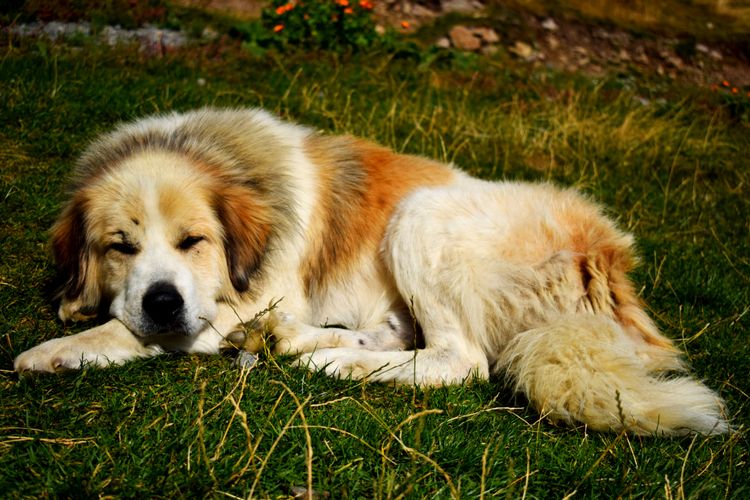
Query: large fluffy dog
[(185, 226)]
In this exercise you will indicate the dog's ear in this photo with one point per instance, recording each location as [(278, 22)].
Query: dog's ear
[(80, 292), (246, 223)]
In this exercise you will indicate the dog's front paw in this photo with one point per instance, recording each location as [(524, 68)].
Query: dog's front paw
[(52, 356)]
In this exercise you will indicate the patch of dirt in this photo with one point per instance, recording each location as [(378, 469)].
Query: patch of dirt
[(241, 9), (566, 44), (573, 45)]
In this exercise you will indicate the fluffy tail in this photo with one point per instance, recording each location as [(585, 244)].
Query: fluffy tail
[(587, 369)]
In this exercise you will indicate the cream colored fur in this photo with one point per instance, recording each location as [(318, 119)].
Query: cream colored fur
[(584, 368), (235, 210)]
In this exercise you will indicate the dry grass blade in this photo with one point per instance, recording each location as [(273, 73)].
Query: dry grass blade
[(7, 442), (275, 443)]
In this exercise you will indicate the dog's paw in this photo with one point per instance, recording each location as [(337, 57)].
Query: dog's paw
[(280, 320), (285, 329), (336, 362), (394, 335), (53, 356)]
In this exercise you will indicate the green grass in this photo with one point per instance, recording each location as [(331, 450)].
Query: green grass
[(674, 172)]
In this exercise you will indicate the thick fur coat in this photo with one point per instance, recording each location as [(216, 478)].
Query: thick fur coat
[(185, 226)]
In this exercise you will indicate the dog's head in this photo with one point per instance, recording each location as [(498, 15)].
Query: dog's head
[(158, 238)]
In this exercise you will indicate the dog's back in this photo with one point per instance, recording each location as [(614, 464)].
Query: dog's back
[(536, 281)]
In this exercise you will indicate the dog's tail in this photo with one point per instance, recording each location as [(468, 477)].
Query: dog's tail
[(586, 369)]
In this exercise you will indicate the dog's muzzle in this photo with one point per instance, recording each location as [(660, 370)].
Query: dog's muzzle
[(163, 305)]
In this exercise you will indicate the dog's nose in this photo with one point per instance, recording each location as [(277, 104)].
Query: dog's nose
[(163, 303)]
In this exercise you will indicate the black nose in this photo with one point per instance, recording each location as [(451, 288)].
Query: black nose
[(163, 303)]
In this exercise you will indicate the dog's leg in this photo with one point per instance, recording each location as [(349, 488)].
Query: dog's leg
[(294, 337), (110, 343), (447, 358), (429, 366), (113, 343)]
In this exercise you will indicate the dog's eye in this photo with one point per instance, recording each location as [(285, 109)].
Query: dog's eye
[(189, 242), (124, 248)]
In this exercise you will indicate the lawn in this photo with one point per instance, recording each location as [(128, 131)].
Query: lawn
[(669, 161)]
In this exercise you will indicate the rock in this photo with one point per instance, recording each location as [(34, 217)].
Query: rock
[(489, 50), (52, 30), (245, 360), (460, 6), (676, 62), (422, 12), (464, 39), (57, 29), (302, 492), (523, 50), (715, 54), (488, 35), (209, 33), (111, 35), (623, 55), (443, 43), (581, 56), (553, 42), (550, 25)]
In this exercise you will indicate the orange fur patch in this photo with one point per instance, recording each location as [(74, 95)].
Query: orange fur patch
[(247, 226), (68, 245), (607, 257), (360, 184), (80, 292)]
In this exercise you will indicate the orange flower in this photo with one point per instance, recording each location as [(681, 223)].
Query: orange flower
[(735, 90), (343, 3), (725, 83), (365, 4), (405, 25), (284, 9), (348, 10), (278, 28)]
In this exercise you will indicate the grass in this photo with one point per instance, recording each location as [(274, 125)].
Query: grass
[(673, 171)]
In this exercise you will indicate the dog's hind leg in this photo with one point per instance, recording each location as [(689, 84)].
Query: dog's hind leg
[(448, 358), (426, 367), (585, 369), (294, 337)]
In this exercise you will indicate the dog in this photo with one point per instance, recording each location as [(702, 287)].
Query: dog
[(380, 266)]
